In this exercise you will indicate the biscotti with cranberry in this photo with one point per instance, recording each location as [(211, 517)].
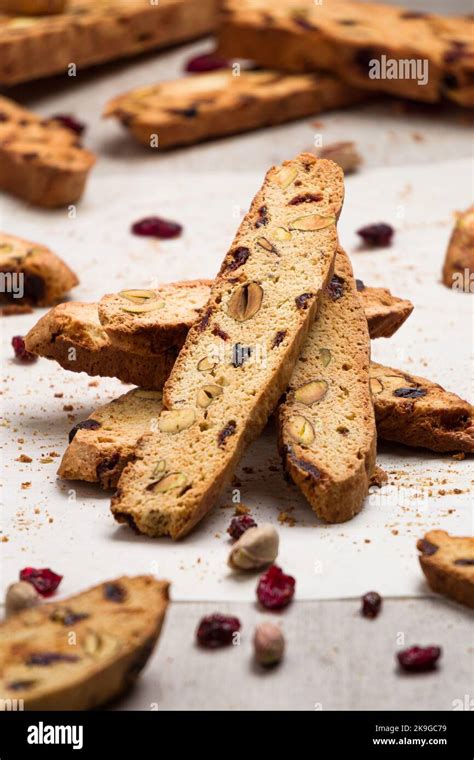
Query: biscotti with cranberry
[(88, 33), (72, 335), (41, 161), (327, 435), (101, 446), (33, 273), (417, 412), (151, 321), (448, 564), (239, 356), (80, 653), (458, 269), (376, 47), (206, 106)]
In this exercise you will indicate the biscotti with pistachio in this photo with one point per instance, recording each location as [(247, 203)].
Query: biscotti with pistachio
[(41, 161), (448, 564), (458, 268), (327, 435), (378, 47), (89, 32), (101, 446), (239, 356), (417, 412), (36, 275), (80, 653), (205, 106)]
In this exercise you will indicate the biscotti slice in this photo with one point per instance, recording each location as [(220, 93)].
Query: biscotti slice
[(448, 564), (205, 106), (72, 335), (32, 7), (150, 321), (417, 412), (89, 32), (81, 652), (327, 435), (238, 357), (101, 446), (385, 313), (458, 269), (32, 273), (41, 161), (382, 48)]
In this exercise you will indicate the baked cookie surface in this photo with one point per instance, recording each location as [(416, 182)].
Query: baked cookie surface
[(458, 269), (448, 564)]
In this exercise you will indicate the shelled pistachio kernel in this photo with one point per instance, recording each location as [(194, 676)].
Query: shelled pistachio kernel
[(282, 234), (176, 420), (20, 596), (207, 394), (326, 356), (311, 392), (245, 301), (256, 548), (206, 365), (286, 176), (312, 222), (300, 430)]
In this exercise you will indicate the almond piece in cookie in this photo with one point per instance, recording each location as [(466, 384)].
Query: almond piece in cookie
[(458, 269), (115, 625), (327, 435), (448, 564), (264, 304)]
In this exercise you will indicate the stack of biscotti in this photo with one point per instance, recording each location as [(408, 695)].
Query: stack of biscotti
[(205, 106), (372, 46), (81, 652), (90, 32), (239, 356)]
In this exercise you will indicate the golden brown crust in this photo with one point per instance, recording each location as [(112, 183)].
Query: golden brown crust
[(385, 313), (327, 435), (89, 33), (343, 37), (206, 106), (417, 412), (458, 269), (32, 7), (115, 626), (448, 564), (41, 161), (46, 277)]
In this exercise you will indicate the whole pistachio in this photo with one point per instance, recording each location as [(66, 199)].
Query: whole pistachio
[(269, 644), (20, 596), (256, 548)]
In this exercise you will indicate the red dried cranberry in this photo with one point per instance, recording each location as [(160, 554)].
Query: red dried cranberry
[(153, 226), (18, 343), (376, 234), (44, 580), (84, 425), (206, 62), (239, 525), (275, 589), (70, 122), (371, 604), (217, 631), (417, 659)]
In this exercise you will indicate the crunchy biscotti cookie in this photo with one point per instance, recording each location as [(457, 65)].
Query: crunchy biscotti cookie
[(101, 446), (238, 357), (72, 335), (205, 106), (417, 412), (344, 37), (150, 321), (32, 7), (42, 276), (91, 32), (448, 564), (326, 425), (115, 627), (458, 269), (41, 161), (385, 313)]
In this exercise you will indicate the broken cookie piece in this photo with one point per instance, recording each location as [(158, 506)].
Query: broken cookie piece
[(448, 564)]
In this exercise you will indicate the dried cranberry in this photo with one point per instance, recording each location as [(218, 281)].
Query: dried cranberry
[(409, 392), (371, 604), (376, 234), (18, 343), (153, 226), (335, 288), (275, 589), (217, 631), (70, 122), (49, 658), (464, 562), (84, 425), (206, 62), (425, 546), (417, 659), (227, 431), (43, 579), (360, 285), (239, 525), (113, 592)]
